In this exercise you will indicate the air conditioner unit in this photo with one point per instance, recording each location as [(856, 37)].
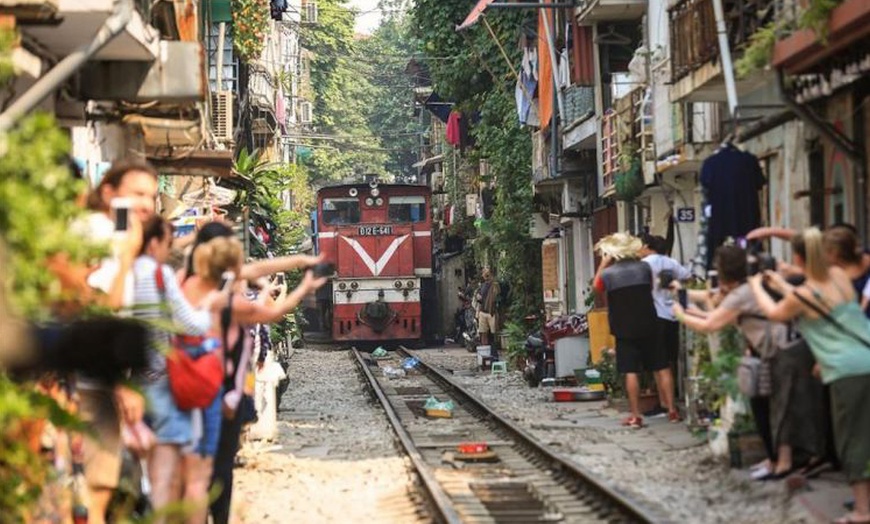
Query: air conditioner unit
[(222, 115), (309, 12), (305, 112)]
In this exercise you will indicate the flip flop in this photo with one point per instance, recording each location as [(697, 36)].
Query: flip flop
[(847, 519)]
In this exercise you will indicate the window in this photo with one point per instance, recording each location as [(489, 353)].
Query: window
[(338, 211), (407, 209)]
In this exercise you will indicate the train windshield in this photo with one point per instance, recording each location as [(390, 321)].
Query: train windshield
[(407, 209), (338, 211)]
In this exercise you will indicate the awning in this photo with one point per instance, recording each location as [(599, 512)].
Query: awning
[(474, 15)]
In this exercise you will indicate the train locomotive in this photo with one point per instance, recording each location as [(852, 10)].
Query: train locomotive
[(379, 236)]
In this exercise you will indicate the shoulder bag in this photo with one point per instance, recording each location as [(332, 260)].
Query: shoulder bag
[(836, 323), (195, 371)]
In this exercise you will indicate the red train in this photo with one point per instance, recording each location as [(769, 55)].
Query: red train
[(380, 239)]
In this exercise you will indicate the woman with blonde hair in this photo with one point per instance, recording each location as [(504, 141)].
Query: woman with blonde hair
[(211, 260), (838, 334)]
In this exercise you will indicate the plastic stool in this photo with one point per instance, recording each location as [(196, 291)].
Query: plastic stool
[(499, 367)]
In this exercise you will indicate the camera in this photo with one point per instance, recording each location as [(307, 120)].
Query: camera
[(759, 262), (666, 278), (323, 269)]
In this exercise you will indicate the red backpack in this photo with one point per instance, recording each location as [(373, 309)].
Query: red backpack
[(195, 381)]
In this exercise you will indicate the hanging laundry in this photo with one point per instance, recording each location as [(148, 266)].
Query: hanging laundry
[(525, 93), (545, 69), (564, 71), (453, 128), (731, 179)]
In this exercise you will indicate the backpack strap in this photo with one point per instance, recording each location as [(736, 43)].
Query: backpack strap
[(833, 321), (226, 320)]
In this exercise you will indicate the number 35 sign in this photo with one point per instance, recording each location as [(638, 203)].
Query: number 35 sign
[(686, 214)]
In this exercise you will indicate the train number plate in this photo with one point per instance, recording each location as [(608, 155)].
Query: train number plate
[(375, 230)]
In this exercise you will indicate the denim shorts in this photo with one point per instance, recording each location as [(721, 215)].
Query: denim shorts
[(210, 423), (170, 424)]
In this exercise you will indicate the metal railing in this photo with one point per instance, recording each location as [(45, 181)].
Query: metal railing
[(693, 29)]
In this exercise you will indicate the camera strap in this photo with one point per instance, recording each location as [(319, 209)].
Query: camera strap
[(827, 316)]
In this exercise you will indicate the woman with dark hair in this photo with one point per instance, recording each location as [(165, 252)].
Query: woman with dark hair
[(838, 334), (157, 295), (841, 247), (738, 307), (215, 252)]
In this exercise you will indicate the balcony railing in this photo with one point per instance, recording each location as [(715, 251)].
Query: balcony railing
[(579, 103), (693, 30)]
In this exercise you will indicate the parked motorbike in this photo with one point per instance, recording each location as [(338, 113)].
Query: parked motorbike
[(540, 362)]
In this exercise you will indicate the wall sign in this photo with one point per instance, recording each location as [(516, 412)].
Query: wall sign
[(685, 214)]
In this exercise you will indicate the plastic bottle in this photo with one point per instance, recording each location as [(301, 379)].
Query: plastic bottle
[(81, 495)]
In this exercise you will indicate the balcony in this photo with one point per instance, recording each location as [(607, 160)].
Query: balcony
[(848, 31), (79, 22), (591, 11), (696, 68), (579, 129)]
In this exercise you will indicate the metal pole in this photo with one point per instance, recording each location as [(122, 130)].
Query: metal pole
[(533, 5), (64, 69), (725, 52), (221, 42)]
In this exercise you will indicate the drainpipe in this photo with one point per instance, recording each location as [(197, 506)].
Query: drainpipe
[(64, 69), (725, 52), (841, 142)]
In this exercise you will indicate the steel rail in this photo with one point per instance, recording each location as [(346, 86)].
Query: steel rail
[(439, 499), (631, 508)]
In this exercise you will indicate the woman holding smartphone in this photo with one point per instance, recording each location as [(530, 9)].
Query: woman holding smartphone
[(838, 334), (214, 456), (737, 306)]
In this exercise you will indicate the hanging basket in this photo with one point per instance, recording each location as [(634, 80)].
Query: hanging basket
[(250, 28), (629, 184)]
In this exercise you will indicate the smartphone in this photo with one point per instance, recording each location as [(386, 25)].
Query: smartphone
[(279, 279), (121, 212), (324, 269), (713, 279), (683, 298), (227, 280)]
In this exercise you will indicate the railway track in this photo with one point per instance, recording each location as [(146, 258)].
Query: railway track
[(525, 482)]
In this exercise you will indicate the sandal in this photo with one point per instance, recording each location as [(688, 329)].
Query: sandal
[(848, 519), (814, 469), (633, 422)]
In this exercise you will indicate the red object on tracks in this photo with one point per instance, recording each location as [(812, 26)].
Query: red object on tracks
[(473, 447)]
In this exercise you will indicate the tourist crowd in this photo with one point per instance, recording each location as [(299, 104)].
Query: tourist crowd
[(170, 397), (806, 365)]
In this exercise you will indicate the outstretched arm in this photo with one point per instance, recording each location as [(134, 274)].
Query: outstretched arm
[(262, 268)]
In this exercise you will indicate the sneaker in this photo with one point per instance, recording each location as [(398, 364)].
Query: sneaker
[(657, 411), (674, 417)]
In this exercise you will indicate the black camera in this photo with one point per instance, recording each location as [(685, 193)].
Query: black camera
[(760, 262), (323, 269), (666, 278)]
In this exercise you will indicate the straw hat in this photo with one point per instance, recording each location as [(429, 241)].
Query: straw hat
[(619, 246)]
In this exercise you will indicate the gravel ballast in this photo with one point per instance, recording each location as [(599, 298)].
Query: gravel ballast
[(334, 459), (663, 466)]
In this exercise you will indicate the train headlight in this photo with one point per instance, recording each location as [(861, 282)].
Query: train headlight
[(370, 202), (354, 285), (353, 192), (342, 286), (379, 201), (376, 192), (397, 284), (410, 284)]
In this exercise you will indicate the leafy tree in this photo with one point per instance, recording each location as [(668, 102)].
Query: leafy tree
[(468, 68)]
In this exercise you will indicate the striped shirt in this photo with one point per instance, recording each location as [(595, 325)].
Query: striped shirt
[(147, 300)]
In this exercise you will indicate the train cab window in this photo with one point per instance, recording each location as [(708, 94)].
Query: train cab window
[(337, 211), (407, 209)]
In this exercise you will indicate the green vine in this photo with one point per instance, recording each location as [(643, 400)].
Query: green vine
[(250, 26), (629, 183), (757, 54)]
